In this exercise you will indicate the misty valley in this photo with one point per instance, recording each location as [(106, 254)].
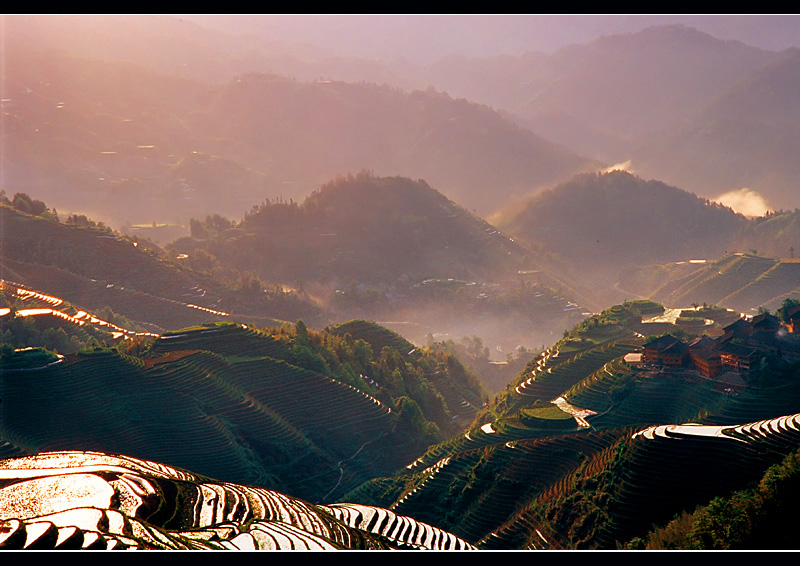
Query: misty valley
[(275, 282)]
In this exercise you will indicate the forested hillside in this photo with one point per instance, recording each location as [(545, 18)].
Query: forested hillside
[(745, 137), (86, 263), (304, 412), (393, 249), (128, 145), (601, 223)]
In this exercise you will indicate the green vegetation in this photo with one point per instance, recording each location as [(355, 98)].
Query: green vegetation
[(614, 322), (430, 389), (389, 248), (289, 408), (24, 203), (595, 223), (475, 356), (760, 517), (532, 478), (533, 415), (25, 358), (87, 264), (250, 380), (786, 306), (356, 412), (48, 332)]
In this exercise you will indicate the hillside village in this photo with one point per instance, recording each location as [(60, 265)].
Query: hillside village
[(735, 349)]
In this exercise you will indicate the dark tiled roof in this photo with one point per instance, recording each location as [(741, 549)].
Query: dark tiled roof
[(739, 350), (662, 342), (766, 320), (676, 348), (705, 354), (740, 324), (702, 342)]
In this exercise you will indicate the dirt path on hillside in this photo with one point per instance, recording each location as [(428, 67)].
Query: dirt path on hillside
[(578, 414)]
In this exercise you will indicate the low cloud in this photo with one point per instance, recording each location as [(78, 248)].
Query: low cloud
[(622, 166), (745, 201)]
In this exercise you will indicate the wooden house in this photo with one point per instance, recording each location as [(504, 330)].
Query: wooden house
[(651, 352), (739, 356), (675, 355), (708, 362), (704, 356), (765, 322), (739, 329)]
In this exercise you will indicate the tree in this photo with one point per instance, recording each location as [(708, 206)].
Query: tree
[(301, 330), (786, 306), (25, 203), (202, 260), (411, 425), (197, 230)]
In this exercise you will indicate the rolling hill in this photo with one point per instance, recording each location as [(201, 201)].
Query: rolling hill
[(307, 413), (89, 265), (743, 282), (393, 249), (598, 224), (117, 101), (584, 449), (364, 365), (629, 237), (630, 86), (417, 261), (132, 145), (744, 137), (327, 128), (606, 96)]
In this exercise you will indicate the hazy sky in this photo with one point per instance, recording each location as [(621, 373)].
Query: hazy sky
[(423, 38)]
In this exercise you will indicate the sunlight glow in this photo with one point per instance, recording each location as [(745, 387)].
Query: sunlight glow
[(622, 166), (745, 201)]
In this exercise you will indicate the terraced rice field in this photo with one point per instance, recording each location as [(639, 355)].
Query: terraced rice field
[(715, 282), (738, 281), (174, 311), (84, 500), (520, 472), (548, 381), (42, 305), (226, 417), (670, 467), (768, 289)]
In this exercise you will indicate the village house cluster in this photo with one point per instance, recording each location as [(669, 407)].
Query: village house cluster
[(742, 345)]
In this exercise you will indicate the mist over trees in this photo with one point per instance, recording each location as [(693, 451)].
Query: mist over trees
[(522, 296)]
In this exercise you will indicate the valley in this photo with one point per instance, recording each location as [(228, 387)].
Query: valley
[(260, 294)]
